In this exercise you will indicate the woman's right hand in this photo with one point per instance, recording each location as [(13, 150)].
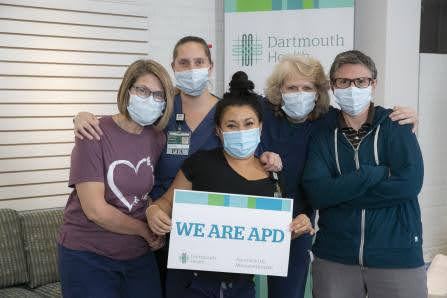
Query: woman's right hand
[(86, 125), (159, 222)]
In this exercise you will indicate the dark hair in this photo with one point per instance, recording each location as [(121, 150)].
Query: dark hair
[(196, 39), (352, 57), (241, 94)]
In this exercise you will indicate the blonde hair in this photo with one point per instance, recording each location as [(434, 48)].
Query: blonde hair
[(307, 67), (138, 69)]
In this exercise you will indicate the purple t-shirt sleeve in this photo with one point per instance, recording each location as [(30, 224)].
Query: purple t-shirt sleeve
[(86, 162)]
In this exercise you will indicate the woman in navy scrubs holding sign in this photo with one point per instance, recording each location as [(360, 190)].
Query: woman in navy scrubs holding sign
[(233, 169)]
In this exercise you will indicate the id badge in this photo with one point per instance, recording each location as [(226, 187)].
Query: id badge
[(178, 142)]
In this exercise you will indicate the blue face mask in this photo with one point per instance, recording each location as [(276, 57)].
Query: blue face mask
[(193, 82), (353, 100), (145, 111), (242, 143), (298, 105)]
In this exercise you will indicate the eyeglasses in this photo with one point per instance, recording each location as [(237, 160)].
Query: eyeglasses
[(343, 83), (144, 92)]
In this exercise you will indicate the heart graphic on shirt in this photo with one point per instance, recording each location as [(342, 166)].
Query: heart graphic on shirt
[(115, 189)]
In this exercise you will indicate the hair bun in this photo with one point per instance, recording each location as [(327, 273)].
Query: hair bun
[(240, 84)]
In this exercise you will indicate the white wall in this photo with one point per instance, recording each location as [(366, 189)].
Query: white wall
[(388, 30), (370, 37), (432, 137), (171, 20), (57, 58)]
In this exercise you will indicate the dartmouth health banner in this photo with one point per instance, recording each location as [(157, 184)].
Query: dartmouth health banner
[(259, 32)]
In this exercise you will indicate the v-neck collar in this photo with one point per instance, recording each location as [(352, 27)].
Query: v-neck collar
[(207, 119)]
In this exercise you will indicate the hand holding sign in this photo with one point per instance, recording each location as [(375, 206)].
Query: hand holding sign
[(158, 220)]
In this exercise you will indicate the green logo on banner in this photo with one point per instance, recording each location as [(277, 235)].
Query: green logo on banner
[(247, 50)]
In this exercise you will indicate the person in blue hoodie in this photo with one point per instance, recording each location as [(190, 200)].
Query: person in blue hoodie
[(364, 175)]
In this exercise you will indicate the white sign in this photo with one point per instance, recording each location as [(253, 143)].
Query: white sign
[(255, 41), (230, 233)]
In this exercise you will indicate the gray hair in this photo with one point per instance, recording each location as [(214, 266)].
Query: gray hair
[(352, 57)]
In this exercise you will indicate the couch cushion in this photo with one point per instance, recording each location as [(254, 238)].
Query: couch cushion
[(12, 256), (50, 290), (18, 293), (40, 229)]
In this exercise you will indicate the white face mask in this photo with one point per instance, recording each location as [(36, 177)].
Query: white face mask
[(193, 82), (353, 100), (145, 111), (298, 105)]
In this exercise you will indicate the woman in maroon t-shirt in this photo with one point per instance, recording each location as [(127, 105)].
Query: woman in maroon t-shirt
[(105, 243)]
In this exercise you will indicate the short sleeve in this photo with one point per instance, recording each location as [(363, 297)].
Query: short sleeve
[(188, 168), (161, 143), (191, 166), (86, 162)]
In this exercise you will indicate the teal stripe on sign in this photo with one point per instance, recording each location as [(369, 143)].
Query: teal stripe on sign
[(269, 204), (276, 4), (191, 198), (230, 5), (286, 205), (335, 3), (226, 200), (294, 4), (238, 202)]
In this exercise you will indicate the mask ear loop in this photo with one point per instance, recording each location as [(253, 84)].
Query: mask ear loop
[(129, 95)]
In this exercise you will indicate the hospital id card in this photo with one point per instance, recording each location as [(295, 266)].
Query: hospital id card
[(178, 142)]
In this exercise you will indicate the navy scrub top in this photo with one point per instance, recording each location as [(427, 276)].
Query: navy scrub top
[(290, 141), (203, 138)]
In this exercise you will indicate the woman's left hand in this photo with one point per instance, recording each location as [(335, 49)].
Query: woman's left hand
[(272, 161), (158, 242), (301, 225), (405, 115), (154, 241)]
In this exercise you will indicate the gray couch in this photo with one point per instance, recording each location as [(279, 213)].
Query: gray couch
[(28, 253)]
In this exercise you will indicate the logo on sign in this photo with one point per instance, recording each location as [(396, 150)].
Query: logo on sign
[(247, 49), (184, 258)]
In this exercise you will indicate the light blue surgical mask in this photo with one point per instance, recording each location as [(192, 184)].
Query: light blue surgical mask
[(353, 100), (145, 111), (242, 143), (193, 82), (298, 105)]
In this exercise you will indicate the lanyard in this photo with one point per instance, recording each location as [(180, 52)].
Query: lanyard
[(275, 178), (179, 119)]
